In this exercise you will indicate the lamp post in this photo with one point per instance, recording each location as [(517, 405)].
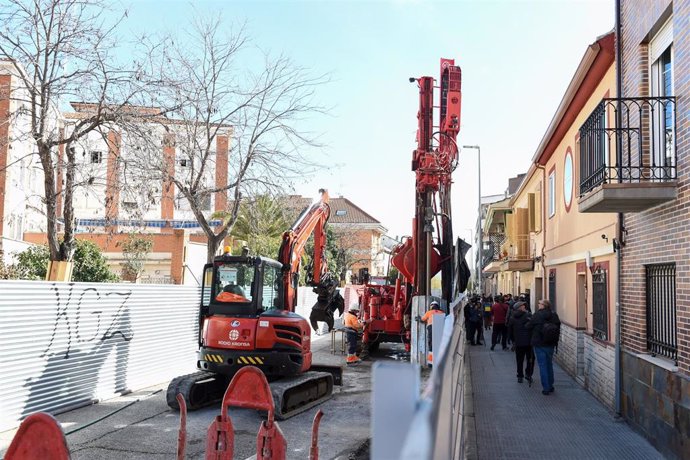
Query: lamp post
[(479, 213)]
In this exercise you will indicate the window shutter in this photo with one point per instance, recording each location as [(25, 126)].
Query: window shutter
[(532, 212), (661, 41)]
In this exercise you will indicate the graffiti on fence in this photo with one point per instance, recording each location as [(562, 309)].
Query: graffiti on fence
[(91, 335), (70, 310)]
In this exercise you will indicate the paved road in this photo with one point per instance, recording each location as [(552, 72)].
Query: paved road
[(514, 421), (148, 429)]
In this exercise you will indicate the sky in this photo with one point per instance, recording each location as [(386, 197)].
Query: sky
[(517, 58)]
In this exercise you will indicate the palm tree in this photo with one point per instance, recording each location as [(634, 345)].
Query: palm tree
[(261, 223)]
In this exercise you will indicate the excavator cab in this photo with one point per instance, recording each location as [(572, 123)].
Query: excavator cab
[(242, 286)]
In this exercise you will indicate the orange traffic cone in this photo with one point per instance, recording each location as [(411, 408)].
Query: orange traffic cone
[(430, 357)]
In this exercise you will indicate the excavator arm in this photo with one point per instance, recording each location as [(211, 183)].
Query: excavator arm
[(312, 221)]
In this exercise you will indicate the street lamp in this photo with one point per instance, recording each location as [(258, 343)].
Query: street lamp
[(479, 212)]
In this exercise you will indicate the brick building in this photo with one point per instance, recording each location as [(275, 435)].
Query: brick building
[(648, 182), (117, 189)]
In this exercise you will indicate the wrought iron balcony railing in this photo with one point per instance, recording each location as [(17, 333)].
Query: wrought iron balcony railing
[(492, 248), (641, 149)]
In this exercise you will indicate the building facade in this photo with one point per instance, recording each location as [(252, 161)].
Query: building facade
[(647, 181), (526, 236), (579, 259)]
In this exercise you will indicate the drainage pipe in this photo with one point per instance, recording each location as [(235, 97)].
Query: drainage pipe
[(619, 147)]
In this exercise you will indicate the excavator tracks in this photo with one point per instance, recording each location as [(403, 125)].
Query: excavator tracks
[(293, 395), (199, 389)]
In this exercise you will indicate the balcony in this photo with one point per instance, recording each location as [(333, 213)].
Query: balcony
[(519, 257), (631, 167), (492, 252)]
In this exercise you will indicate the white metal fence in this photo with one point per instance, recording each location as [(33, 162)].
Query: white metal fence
[(406, 425), (63, 345)]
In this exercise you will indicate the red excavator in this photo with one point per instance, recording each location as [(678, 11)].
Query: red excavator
[(430, 248), (247, 318)]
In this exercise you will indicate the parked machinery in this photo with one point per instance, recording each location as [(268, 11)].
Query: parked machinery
[(247, 318), (430, 248)]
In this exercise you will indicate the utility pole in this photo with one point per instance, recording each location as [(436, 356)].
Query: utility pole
[(479, 214)]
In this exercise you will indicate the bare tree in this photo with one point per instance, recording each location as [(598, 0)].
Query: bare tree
[(62, 51), (216, 93)]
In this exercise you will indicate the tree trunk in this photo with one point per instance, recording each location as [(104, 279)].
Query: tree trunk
[(67, 245), (44, 153), (212, 247)]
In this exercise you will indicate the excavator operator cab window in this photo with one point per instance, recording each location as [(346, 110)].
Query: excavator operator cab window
[(270, 294), (234, 283)]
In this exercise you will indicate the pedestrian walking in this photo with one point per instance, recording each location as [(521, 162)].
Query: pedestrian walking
[(487, 312), (499, 311), (545, 326), (522, 338), (476, 331), (467, 311)]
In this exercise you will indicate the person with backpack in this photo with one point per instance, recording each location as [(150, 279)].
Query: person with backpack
[(487, 312), (546, 329), (476, 323), (522, 338)]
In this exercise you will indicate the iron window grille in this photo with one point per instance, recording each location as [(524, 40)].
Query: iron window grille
[(661, 310), (600, 304), (646, 137)]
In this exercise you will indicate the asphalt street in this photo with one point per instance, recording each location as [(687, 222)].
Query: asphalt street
[(148, 428)]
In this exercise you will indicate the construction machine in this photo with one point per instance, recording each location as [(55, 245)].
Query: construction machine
[(429, 249), (247, 318)]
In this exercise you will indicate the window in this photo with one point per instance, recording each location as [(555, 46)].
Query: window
[(552, 194), (600, 304), (183, 162), (271, 289), (661, 85), (96, 157), (568, 179), (341, 212), (661, 310)]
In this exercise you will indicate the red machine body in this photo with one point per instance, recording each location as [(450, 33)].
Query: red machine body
[(429, 250), (247, 319)]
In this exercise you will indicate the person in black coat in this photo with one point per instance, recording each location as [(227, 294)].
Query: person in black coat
[(522, 339), (542, 349)]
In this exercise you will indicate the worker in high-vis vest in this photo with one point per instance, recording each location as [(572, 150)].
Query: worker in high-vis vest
[(428, 319), (353, 327)]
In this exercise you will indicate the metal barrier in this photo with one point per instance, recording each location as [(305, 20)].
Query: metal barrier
[(408, 425), (64, 345)]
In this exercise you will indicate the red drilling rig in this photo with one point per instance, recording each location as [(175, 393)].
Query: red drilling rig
[(430, 248)]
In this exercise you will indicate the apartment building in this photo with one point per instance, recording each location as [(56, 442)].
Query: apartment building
[(120, 183), (645, 178)]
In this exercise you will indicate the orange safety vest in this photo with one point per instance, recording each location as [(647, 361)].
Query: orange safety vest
[(352, 322), (427, 316)]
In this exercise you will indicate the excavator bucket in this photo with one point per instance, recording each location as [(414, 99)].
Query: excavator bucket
[(325, 307), (39, 436)]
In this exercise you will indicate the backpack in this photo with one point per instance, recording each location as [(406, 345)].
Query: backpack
[(550, 333), (475, 316)]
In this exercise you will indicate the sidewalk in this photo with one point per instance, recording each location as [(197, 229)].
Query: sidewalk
[(514, 421)]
